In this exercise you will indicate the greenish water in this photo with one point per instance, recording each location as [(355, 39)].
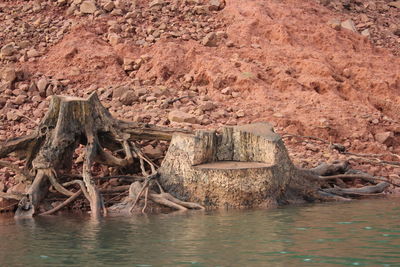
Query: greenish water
[(360, 233)]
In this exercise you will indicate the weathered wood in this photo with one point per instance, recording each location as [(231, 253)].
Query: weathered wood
[(241, 167), (365, 190)]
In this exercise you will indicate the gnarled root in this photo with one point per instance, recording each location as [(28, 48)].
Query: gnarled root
[(136, 192)]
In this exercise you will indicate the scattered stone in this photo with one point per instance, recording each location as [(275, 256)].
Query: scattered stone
[(365, 33), (395, 4), (88, 7), (128, 98), (156, 3), (20, 99), (114, 39), (42, 85), (335, 24), (32, 53), (215, 5), (207, 106), (8, 50), (210, 40), (384, 137), (13, 116), (349, 25), (109, 6), (179, 116), (240, 114), (8, 75), (226, 91), (230, 44)]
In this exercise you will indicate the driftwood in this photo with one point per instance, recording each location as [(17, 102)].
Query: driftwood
[(243, 166)]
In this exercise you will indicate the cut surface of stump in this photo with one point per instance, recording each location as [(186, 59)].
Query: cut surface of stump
[(244, 166)]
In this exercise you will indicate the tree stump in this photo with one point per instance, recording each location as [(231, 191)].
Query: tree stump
[(244, 166), (69, 122)]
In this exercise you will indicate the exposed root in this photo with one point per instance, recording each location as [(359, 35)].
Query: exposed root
[(362, 191), (164, 199), (365, 177), (65, 203), (51, 174)]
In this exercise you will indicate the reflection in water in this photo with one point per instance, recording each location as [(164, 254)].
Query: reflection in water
[(362, 233)]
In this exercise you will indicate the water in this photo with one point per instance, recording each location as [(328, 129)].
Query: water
[(360, 233)]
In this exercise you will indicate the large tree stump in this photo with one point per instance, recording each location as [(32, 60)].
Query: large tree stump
[(69, 122), (244, 166)]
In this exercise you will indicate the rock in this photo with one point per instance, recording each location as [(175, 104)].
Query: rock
[(42, 84), (114, 39), (335, 24), (210, 40), (240, 114), (215, 5), (384, 137), (24, 44), (151, 98), (207, 106), (230, 44), (349, 25), (12, 116), (179, 116), (109, 6), (395, 4), (8, 75), (365, 33), (226, 91), (156, 3), (117, 92), (8, 50), (235, 94), (141, 91), (19, 100), (32, 53), (128, 98), (88, 7)]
